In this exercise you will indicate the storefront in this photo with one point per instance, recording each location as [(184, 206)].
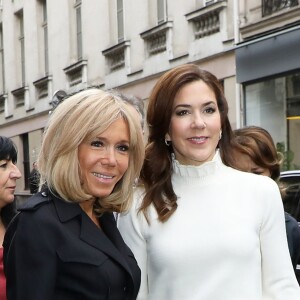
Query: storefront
[(268, 68)]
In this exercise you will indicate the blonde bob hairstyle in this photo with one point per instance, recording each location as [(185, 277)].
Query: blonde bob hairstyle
[(81, 117)]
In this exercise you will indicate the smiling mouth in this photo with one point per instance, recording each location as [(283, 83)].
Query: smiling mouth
[(198, 139), (103, 176)]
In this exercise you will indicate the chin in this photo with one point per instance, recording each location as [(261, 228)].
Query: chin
[(10, 199), (103, 194)]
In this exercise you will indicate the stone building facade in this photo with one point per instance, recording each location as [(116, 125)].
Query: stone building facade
[(46, 46)]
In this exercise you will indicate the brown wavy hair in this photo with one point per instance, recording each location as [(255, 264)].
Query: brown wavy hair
[(157, 169), (258, 144)]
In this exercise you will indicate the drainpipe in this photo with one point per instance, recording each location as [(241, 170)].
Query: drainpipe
[(236, 28)]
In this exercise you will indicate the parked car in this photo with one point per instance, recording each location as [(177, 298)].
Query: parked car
[(290, 186)]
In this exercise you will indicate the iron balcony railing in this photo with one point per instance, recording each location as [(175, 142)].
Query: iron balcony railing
[(271, 6)]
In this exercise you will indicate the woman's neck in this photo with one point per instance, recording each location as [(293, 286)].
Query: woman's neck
[(88, 207), (2, 232)]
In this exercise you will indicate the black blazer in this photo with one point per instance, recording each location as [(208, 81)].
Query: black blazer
[(53, 251)]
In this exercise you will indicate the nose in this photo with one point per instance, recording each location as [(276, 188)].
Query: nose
[(198, 121), (15, 172), (109, 157)]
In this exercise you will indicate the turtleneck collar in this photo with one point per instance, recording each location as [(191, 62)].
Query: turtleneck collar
[(207, 168)]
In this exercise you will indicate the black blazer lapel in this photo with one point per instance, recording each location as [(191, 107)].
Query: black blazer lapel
[(109, 226), (98, 239), (107, 241)]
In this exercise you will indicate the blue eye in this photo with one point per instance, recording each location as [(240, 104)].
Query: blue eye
[(96, 144), (123, 148)]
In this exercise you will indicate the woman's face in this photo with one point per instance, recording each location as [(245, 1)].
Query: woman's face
[(9, 173), (195, 124), (246, 164), (104, 160)]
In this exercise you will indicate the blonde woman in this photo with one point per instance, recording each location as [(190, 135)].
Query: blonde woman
[(65, 243)]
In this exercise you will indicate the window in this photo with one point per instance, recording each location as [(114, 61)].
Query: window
[(2, 104), (45, 31), (43, 37), (26, 162), (21, 46), (78, 29), (274, 104), (161, 11), (120, 21), (2, 73)]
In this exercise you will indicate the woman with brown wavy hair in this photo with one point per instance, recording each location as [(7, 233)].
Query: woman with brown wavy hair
[(188, 228), (156, 173), (257, 153)]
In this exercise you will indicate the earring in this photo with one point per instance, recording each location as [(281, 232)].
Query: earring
[(220, 136), (168, 143)]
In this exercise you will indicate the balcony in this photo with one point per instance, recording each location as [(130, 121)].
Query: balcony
[(42, 87), (77, 73), (159, 39), (271, 6), (117, 56), (206, 20)]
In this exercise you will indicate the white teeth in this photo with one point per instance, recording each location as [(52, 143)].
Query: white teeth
[(198, 139), (102, 176)]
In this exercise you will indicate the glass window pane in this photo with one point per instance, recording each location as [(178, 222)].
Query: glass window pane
[(274, 104), (120, 20), (79, 32), (161, 11)]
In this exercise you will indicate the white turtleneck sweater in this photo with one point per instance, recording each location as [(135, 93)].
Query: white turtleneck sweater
[(225, 241)]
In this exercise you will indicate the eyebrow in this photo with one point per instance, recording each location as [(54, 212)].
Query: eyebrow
[(188, 105), (98, 138)]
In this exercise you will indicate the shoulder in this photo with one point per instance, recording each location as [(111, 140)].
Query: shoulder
[(261, 191), (39, 210), (291, 222), (35, 202), (250, 179), (134, 215), (27, 219), (138, 195)]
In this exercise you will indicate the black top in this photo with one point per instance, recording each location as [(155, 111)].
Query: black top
[(53, 250)]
